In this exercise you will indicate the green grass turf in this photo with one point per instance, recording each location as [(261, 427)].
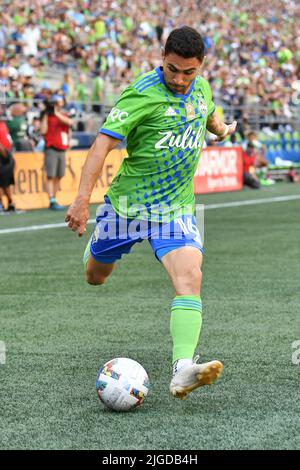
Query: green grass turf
[(59, 331)]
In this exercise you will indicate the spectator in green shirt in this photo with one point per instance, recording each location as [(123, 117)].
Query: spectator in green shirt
[(17, 127), (98, 93), (82, 92)]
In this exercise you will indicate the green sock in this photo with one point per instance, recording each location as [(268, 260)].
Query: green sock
[(185, 325), (87, 253)]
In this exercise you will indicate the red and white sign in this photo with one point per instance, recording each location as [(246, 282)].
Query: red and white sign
[(219, 169)]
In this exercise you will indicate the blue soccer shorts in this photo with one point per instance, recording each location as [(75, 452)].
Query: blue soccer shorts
[(114, 236)]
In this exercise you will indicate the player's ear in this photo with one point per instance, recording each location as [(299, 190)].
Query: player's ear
[(201, 63), (162, 50)]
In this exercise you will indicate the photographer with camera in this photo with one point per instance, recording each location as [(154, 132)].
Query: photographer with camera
[(55, 126)]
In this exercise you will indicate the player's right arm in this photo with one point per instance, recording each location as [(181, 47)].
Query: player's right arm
[(78, 213), (128, 112)]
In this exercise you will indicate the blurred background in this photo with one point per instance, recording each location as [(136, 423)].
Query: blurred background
[(88, 51)]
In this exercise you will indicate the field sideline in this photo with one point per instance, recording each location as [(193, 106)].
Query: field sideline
[(59, 331)]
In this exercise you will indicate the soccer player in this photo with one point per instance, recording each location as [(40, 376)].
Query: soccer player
[(163, 115)]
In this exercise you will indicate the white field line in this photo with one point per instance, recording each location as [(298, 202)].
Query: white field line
[(253, 202), (250, 202)]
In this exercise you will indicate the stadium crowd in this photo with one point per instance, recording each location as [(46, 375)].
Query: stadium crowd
[(253, 48), (87, 51)]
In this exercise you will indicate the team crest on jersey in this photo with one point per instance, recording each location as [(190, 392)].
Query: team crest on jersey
[(190, 111), (202, 106)]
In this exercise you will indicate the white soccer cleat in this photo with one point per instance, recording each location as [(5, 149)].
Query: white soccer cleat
[(194, 376)]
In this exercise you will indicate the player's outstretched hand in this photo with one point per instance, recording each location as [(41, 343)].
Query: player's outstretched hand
[(229, 130), (77, 216)]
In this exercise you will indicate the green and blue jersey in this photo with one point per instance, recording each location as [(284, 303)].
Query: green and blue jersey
[(164, 131)]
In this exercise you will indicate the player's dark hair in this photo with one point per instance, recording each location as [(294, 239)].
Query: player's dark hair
[(185, 42)]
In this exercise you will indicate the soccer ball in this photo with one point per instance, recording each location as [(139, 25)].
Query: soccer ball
[(122, 384)]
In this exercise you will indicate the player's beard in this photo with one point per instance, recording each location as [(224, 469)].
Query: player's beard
[(177, 88), (182, 89)]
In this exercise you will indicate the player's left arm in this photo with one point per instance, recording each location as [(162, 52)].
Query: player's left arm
[(219, 128)]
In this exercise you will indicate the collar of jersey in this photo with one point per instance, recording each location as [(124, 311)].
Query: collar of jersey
[(159, 72)]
